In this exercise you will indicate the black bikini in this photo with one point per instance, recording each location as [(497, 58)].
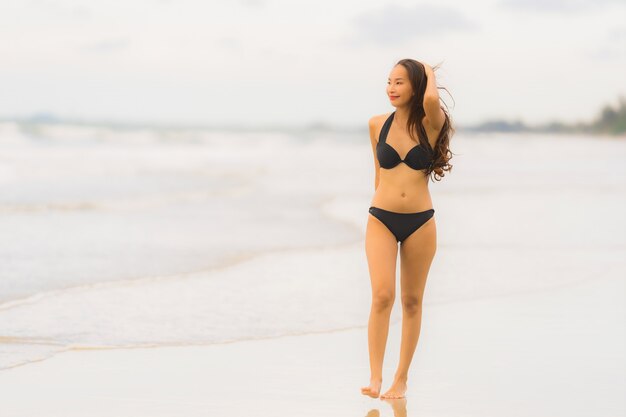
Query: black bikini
[(402, 225), (417, 158)]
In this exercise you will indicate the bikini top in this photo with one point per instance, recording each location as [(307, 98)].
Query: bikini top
[(417, 158)]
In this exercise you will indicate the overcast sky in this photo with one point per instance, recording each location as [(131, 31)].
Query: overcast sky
[(263, 62)]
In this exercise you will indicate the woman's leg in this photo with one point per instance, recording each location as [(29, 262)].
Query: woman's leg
[(416, 255), (381, 248)]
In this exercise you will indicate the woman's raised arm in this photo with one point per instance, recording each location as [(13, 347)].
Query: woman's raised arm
[(432, 108)]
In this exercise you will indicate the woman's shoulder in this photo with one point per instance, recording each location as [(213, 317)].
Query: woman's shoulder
[(378, 119), (375, 124)]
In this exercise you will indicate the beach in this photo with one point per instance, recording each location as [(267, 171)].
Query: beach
[(208, 274), (544, 353)]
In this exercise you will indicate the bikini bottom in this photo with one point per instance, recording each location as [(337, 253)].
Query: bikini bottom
[(402, 225)]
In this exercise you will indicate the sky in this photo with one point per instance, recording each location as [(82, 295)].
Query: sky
[(279, 62)]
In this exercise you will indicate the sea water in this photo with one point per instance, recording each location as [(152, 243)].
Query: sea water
[(127, 237)]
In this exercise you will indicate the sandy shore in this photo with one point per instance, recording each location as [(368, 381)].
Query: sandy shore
[(545, 353), (524, 308)]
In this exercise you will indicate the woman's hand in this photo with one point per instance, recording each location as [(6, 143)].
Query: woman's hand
[(427, 68), (431, 95)]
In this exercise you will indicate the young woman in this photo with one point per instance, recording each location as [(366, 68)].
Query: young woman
[(409, 145)]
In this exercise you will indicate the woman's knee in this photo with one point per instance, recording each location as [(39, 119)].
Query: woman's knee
[(383, 300), (411, 304)]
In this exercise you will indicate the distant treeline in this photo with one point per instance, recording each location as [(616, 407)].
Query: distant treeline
[(610, 121)]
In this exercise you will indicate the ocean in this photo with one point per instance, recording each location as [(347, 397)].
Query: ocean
[(134, 237)]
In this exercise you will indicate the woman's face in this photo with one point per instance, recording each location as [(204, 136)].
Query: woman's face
[(399, 88)]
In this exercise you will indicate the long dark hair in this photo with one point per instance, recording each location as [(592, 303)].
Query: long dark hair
[(442, 152)]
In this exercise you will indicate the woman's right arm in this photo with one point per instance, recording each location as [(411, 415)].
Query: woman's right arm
[(373, 130)]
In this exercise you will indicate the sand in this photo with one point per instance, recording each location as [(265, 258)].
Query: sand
[(524, 307), (544, 353)]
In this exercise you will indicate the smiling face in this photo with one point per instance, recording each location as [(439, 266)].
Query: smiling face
[(399, 88)]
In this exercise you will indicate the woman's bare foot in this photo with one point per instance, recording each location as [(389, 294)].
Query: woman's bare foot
[(373, 390), (397, 389)]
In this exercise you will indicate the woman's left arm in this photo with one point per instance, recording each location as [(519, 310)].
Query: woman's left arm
[(431, 85), (433, 110)]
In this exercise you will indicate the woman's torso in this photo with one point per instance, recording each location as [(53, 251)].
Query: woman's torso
[(401, 188)]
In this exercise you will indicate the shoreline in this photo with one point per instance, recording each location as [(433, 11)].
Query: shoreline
[(467, 361)]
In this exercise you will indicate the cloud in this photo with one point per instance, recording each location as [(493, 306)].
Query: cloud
[(106, 45), (557, 6), (614, 49), (253, 3), (606, 53), (617, 34), (67, 11), (230, 42), (395, 23)]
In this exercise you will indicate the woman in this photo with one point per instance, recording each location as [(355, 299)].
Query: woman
[(409, 145)]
